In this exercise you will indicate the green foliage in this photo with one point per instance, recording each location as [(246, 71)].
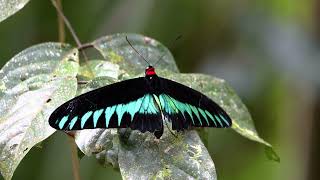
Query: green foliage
[(138, 154), (43, 77), (33, 84), (9, 7)]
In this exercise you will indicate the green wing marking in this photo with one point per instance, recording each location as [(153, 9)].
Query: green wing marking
[(85, 117), (197, 115), (72, 122), (96, 116), (63, 121), (147, 105), (108, 114)]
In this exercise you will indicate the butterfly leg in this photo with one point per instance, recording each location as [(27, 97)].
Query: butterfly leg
[(170, 130)]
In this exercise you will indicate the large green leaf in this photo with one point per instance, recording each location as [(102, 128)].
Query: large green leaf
[(32, 85), (116, 49), (9, 7), (98, 68), (139, 155)]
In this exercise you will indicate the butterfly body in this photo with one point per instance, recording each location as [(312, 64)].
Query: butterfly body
[(140, 104)]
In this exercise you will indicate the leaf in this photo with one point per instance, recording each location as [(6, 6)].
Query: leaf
[(99, 68), (9, 7), (33, 84), (139, 155), (116, 49), (184, 157), (221, 93)]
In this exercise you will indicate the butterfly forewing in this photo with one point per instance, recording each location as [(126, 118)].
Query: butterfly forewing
[(187, 107), (119, 105)]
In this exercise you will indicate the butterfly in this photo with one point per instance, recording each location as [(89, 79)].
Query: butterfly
[(143, 104)]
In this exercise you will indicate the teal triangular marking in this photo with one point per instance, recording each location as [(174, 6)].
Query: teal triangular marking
[(108, 114), (195, 111), (96, 116), (162, 102), (211, 117), (171, 104), (204, 115), (85, 117), (218, 119), (72, 122), (189, 111), (145, 104), (222, 117), (63, 121), (152, 106), (166, 102), (120, 111), (139, 104), (179, 106)]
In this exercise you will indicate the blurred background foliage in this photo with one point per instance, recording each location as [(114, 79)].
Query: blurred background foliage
[(266, 49)]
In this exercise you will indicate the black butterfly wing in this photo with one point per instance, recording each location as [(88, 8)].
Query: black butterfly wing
[(187, 107), (119, 105)]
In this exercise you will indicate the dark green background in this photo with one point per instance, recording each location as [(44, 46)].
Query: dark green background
[(266, 50)]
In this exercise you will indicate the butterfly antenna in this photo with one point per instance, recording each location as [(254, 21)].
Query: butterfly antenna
[(170, 47), (137, 51)]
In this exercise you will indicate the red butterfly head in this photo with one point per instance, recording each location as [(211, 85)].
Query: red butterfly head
[(150, 71)]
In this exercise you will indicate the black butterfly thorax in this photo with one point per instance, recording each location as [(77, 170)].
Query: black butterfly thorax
[(153, 84)]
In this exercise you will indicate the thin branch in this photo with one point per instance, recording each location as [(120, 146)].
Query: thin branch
[(67, 23), (74, 158), (73, 33), (61, 29), (82, 82), (85, 46), (73, 146)]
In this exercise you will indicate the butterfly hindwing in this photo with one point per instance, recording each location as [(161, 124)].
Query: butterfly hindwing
[(119, 105), (187, 107), (148, 117)]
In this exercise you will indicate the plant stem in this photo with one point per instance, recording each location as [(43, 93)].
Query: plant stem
[(61, 29), (85, 46), (72, 31), (74, 158), (66, 22), (73, 146)]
